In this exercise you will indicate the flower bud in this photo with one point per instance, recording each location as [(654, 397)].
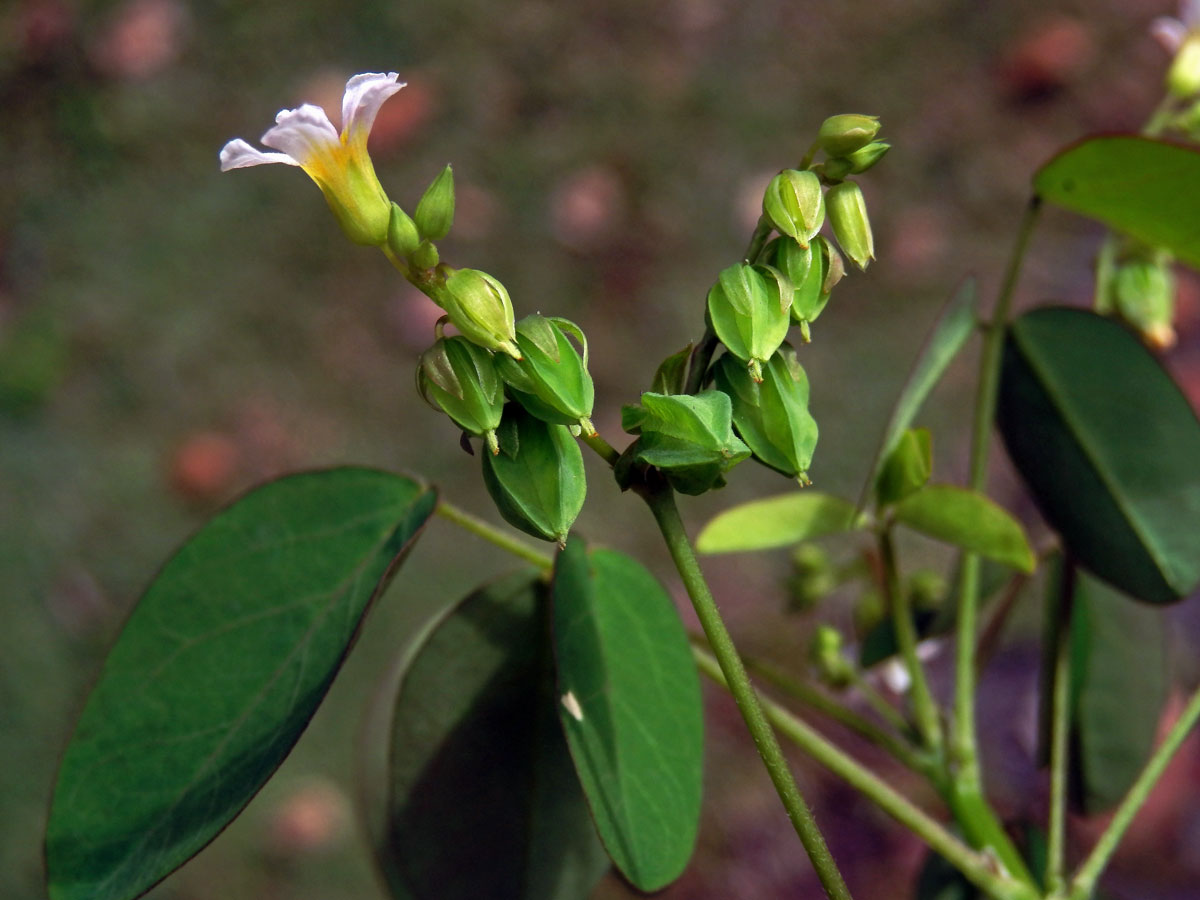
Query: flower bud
[(842, 135), (772, 415), (460, 378), (479, 307), (426, 255), (851, 227), (1183, 77), (403, 237), (536, 480), (865, 157), (435, 211), (825, 653), (813, 577), (1143, 292), (748, 308), (551, 379), (794, 205)]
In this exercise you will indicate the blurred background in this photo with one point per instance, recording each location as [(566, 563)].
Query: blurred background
[(170, 336)]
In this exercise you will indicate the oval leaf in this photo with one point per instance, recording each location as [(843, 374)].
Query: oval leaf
[(779, 521), (630, 705), (1144, 187), (969, 520), (1119, 687), (1107, 444), (218, 671), (484, 801)]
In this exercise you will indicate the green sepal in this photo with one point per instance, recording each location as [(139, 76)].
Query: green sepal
[(772, 416), (794, 204), (537, 479), (906, 469), (551, 379), (671, 375), (460, 378), (749, 310), (813, 272), (851, 226), (688, 437), (866, 157), (435, 211)]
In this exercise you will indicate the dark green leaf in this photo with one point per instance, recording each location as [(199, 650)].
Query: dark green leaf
[(217, 672), (969, 520), (907, 468), (779, 521), (1107, 445), (949, 335), (484, 801), (630, 705), (1119, 686), (1144, 187)]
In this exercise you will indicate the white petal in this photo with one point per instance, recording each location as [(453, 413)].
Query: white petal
[(302, 133), (1168, 32), (1189, 13), (237, 154), (365, 93)]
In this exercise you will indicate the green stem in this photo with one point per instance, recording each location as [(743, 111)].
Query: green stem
[(1084, 882), (493, 535), (603, 448), (977, 867), (883, 709), (662, 504), (1060, 699), (925, 709)]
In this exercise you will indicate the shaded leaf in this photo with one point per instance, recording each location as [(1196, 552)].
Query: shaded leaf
[(1107, 444), (483, 800), (1146, 188), (969, 520), (630, 706), (779, 521), (218, 671), (907, 468)]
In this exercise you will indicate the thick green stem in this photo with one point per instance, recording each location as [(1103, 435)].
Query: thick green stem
[(1084, 882), (662, 504), (1059, 635), (977, 867), (492, 535), (925, 709), (602, 448)]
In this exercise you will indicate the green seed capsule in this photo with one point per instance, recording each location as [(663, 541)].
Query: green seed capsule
[(851, 227), (536, 480), (435, 211), (479, 306), (793, 203), (809, 271), (749, 310), (772, 416), (842, 135), (1143, 292), (460, 378), (551, 379)]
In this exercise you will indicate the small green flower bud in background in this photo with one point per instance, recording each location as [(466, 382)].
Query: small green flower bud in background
[(460, 379), (426, 256), (794, 205), (813, 578), (1183, 77), (403, 237), (842, 135), (435, 211), (870, 610), (825, 653), (865, 157), (479, 306), (772, 415), (926, 590), (1143, 294), (749, 310), (848, 216), (551, 379), (537, 479)]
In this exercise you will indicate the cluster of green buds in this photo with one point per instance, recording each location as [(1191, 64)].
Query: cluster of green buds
[(1136, 282), (784, 280)]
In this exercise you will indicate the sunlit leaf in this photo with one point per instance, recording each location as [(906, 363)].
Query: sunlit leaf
[(968, 520), (779, 521)]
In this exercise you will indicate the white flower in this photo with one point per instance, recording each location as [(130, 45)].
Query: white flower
[(1171, 32), (338, 163)]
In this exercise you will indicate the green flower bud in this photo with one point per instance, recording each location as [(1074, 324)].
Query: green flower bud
[(460, 378), (842, 135), (794, 205), (748, 308), (870, 609), (536, 480), (402, 233), (926, 590), (865, 157), (772, 416), (825, 653), (1143, 293), (813, 577), (834, 169), (851, 227), (479, 307), (426, 256), (435, 211), (1183, 77), (551, 379)]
